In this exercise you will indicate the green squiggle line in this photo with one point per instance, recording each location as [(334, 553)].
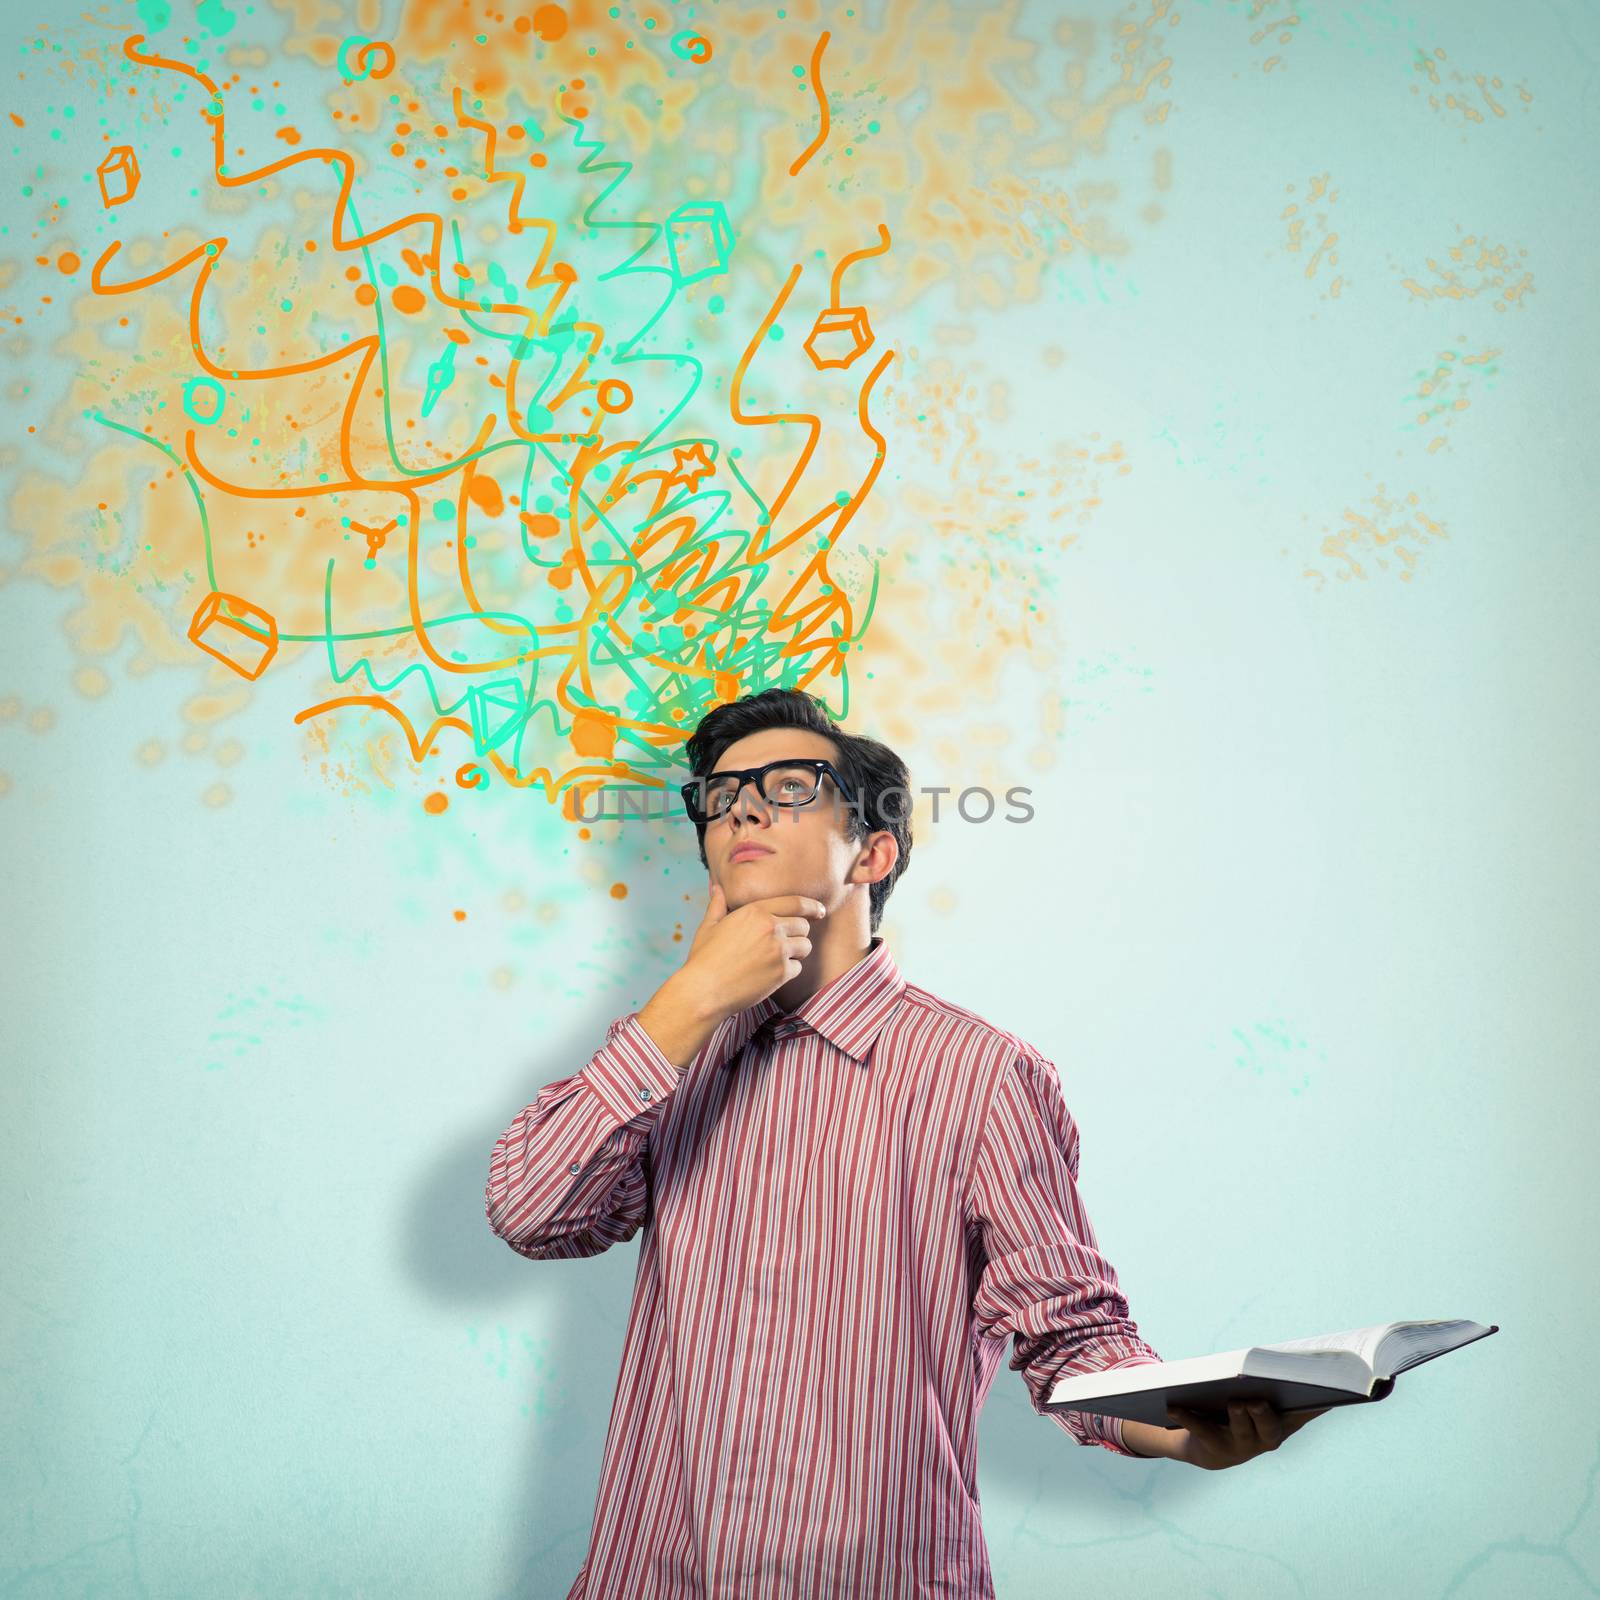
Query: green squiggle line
[(244, 624), (188, 477)]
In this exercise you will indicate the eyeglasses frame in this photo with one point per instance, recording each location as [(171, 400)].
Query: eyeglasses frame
[(748, 774)]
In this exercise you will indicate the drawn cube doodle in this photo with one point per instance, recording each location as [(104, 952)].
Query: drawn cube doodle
[(700, 239), (119, 171), (244, 646), (840, 335)]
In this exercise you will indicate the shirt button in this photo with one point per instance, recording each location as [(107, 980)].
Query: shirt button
[(644, 1094), (573, 1167)]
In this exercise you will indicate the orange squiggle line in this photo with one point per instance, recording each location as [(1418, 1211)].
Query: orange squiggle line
[(435, 224), (813, 422), (607, 596), (419, 747), (367, 349), (153, 60), (247, 491), (537, 278), (408, 490), (822, 105), (823, 607), (413, 564), (878, 249), (848, 510), (490, 133), (101, 287)]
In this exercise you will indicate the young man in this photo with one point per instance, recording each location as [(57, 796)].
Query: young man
[(852, 1194)]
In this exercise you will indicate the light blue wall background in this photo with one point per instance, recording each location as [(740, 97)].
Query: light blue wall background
[(1305, 917)]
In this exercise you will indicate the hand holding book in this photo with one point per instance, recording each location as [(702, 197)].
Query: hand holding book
[(1238, 1403), (1252, 1429)]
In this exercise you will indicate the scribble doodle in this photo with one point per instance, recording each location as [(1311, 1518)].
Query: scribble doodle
[(495, 419)]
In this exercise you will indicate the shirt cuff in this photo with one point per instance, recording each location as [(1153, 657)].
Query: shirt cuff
[(1108, 1430), (629, 1075)]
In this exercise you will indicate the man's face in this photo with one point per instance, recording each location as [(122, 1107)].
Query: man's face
[(806, 848)]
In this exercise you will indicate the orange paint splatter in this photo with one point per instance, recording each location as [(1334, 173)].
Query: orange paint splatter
[(366, 294), (460, 915), (549, 22), (593, 733), (68, 261), (619, 891), (436, 803), (408, 298), (289, 135), (483, 491)]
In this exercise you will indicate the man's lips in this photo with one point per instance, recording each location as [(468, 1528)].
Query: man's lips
[(749, 852)]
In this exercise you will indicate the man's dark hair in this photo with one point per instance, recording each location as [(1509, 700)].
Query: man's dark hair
[(878, 778)]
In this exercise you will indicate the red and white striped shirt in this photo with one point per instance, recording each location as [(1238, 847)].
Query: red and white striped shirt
[(847, 1210)]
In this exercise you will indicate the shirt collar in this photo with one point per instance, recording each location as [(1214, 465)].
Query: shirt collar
[(849, 1012)]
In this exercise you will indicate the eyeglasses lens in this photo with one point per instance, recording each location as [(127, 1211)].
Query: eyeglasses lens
[(780, 786)]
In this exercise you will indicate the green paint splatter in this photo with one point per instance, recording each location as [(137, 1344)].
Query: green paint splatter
[(214, 17)]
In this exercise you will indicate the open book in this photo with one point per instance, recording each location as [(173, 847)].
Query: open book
[(1331, 1369)]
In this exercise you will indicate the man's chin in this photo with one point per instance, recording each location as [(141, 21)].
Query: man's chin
[(750, 882)]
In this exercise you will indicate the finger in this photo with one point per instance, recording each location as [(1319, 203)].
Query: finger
[(1193, 1421), (716, 904), (1268, 1423), (793, 927), (1241, 1429), (793, 905)]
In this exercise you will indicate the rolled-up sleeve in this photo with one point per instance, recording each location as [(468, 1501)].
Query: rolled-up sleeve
[(1043, 1279), (569, 1177)]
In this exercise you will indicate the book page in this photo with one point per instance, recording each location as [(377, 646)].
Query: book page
[(1363, 1342), (1414, 1342), (1389, 1348)]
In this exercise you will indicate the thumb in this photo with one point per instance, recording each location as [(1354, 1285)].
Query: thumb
[(716, 906)]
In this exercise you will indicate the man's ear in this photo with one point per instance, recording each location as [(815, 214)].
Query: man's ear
[(865, 858)]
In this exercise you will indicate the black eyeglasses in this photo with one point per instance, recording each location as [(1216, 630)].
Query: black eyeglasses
[(779, 783)]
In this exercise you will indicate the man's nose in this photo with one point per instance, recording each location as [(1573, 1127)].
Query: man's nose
[(749, 806)]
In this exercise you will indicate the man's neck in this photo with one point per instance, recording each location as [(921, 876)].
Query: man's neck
[(836, 946)]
